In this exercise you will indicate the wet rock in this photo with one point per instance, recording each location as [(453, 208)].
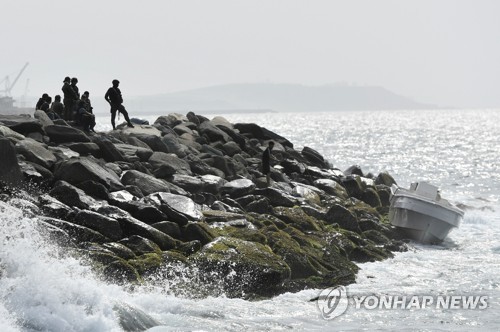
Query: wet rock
[(277, 197), (244, 266), (119, 250), (354, 170), (65, 134), (343, 217), (384, 193), (146, 183), (260, 205), (11, 172), (108, 227), (51, 207), (190, 183), (238, 188), (140, 245), (293, 166), (370, 197), (36, 152), (178, 208), (385, 179), (169, 228), (94, 189), (72, 196), (77, 232), (297, 218), (309, 193), (353, 186), (131, 226), (83, 169), (197, 231), (314, 157), (331, 187), (121, 272), (212, 183)]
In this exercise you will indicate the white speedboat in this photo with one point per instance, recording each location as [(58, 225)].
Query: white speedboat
[(421, 214)]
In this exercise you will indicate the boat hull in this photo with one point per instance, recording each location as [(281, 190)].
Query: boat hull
[(421, 219)]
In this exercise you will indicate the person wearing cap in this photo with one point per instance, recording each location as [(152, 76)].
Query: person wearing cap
[(114, 97), (70, 98)]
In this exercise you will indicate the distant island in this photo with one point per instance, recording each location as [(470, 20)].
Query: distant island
[(268, 97)]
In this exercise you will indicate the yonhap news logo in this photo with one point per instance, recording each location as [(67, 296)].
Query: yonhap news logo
[(333, 302)]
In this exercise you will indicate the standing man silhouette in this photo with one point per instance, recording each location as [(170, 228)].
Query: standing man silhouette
[(266, 162), (114, 97)]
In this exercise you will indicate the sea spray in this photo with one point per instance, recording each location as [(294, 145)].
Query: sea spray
[(44, 290)]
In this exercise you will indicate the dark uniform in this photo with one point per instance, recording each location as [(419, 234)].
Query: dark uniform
[(115, 99), (69, 100)]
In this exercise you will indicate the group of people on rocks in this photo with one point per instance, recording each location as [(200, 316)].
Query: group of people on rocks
[(78, 109)]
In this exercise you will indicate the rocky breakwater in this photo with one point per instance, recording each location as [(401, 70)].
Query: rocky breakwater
[(186, 197)]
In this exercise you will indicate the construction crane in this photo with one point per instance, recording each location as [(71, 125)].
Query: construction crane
[(8, 85)]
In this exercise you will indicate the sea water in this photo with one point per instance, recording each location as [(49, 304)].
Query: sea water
[(41, 289)]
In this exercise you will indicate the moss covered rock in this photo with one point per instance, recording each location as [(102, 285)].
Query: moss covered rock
[(243, 265)]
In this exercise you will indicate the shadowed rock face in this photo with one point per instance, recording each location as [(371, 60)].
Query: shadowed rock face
[(79, 170), (189, 191), (11, 172), (65, 134)]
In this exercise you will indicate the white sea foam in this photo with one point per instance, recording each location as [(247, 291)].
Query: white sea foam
[(40, 289)]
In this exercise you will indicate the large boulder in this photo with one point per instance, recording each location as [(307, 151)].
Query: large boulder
[(65, 134), (343, 217), (237, 188), (244, 266), (132, 226), (85, 149), (11, 172), (314, 157), (36, 152), (189, 183), (106, 226), (130, 151), (9, 133), (277, 197), (146, 183), (385, 179), (154, 142), (255, 131), (177, 207), (214, 134), (43, 118), (72, 196), (170, 161), (76, 232), (109, 151), (23, 124), (80, 170)]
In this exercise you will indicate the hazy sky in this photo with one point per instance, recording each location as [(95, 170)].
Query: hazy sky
[(445, 52)]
